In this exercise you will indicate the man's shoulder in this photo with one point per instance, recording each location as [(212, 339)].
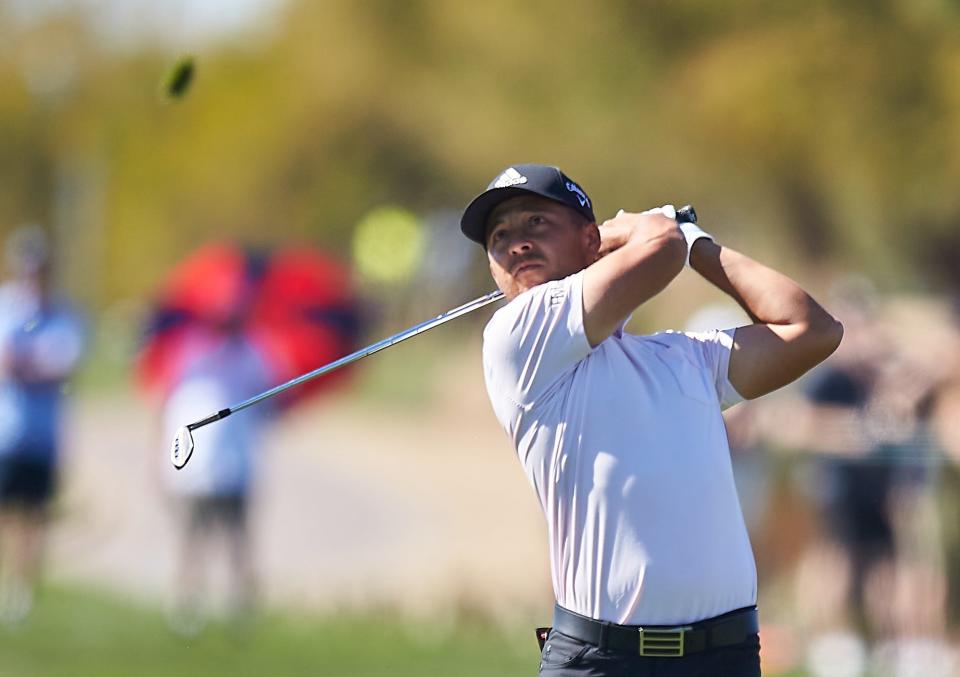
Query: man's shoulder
[(531, 303), (534, 340)]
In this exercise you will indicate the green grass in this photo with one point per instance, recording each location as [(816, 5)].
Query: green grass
[(81, 632)]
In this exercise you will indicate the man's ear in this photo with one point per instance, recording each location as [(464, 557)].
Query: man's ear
[(591, 238)]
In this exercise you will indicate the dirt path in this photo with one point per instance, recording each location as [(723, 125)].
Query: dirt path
[(425, 510)]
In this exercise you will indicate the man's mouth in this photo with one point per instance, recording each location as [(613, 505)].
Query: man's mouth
[(525, 266)]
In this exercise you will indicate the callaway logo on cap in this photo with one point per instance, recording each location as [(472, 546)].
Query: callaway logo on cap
[(581, 196), (543, 180)]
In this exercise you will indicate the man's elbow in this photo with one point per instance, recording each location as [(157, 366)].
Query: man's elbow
[(836, 334), (827, 332)]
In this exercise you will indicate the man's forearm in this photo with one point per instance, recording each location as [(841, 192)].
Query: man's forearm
[(766, 295), (791, 332), (640, 254)]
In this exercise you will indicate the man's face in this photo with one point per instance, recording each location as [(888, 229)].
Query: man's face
[(532, 240)]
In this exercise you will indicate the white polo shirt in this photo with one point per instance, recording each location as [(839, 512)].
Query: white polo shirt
[(626, 449)]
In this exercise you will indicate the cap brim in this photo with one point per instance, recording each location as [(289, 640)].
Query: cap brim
[(473, 223)]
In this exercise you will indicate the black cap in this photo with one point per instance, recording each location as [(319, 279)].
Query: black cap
[(543, 180)]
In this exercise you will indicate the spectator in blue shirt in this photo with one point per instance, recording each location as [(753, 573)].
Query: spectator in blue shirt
[(41, 341)]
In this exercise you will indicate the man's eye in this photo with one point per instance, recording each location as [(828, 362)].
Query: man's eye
[(536, 220)]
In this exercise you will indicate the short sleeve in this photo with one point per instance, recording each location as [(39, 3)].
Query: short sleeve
[(534, 340), (712, 350)]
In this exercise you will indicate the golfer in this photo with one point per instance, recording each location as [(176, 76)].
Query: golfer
[(620, 435)]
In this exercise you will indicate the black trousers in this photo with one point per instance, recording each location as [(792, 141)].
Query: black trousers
[(26, 482), (564, 656)]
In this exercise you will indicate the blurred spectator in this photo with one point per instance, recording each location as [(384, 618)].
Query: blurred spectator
[(228, 323), (877, 569), (211, 493), (946, 421), (41, 341)]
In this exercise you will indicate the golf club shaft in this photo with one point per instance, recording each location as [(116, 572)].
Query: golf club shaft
[(684, 214), (353, 357)]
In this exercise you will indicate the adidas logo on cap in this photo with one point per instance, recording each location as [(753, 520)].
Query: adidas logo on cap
[(511, 177)]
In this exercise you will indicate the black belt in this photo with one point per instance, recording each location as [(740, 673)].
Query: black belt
[(658, 640)]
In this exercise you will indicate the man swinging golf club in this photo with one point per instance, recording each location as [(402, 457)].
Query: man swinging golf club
[(620, 435)]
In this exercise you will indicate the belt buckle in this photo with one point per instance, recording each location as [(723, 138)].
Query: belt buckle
[(663, 642)]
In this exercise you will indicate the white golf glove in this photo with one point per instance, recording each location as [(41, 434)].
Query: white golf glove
[(667, 210), (691, 233)]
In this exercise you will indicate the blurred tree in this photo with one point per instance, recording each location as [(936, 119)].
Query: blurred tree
[(823, 132)]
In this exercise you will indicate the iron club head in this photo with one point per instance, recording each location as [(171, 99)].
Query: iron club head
[(182, 447)]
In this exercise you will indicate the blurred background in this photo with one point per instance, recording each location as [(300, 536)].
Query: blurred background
[(380, 524)]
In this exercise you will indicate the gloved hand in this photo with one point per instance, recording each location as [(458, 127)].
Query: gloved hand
[(691, 231)]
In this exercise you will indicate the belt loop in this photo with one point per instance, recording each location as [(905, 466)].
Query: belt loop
[(604, 635)]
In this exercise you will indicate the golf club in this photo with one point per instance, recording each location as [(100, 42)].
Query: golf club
[(182, 446)]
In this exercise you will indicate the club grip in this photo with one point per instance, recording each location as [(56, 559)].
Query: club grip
[(687, 214)]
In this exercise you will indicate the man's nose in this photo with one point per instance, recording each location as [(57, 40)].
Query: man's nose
[(520, 245)]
